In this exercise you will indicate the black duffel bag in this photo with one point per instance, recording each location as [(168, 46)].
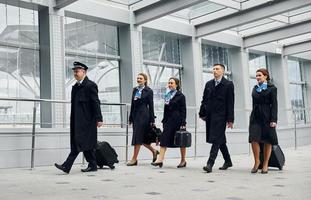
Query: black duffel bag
[(182, 138)]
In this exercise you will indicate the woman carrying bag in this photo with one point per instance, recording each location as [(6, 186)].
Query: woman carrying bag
[(174, 119), (142, 117)]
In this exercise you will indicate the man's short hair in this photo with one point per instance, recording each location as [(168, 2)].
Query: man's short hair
[(223, 66)]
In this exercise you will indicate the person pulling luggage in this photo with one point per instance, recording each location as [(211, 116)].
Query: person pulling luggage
[(263, 119), (85, 118)]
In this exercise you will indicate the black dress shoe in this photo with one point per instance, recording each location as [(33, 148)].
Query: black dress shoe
[(182, 165), (208, 168), (132, 164), (89, 169), (155, 156), (226, 165), (61, 167), (160, 164)]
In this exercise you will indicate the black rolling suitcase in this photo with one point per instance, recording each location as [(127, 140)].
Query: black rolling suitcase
[(182, 138), (106, 155), (277, 158)]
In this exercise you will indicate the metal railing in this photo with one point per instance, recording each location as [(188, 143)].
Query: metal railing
[(36, 102), (195, 124)]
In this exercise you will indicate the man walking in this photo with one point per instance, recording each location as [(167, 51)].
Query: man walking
[(85, 117), (217, 110)]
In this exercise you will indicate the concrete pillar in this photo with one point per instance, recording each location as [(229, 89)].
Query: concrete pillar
[(52, 65), (279, 74), (306, 72), (130, 45), (191, 59), (239, 62)]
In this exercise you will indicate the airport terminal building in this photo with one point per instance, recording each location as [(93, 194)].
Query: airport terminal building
[(117, 39)]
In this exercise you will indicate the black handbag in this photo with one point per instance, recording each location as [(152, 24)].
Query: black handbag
[(154, 134), (182, 138)]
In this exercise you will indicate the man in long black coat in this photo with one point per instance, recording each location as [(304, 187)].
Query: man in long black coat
[(85, 117), (217, 110)]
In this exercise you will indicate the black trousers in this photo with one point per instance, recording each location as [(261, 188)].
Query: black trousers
[(89, 156), (214, 151)]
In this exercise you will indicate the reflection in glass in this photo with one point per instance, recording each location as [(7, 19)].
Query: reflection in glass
[(256, 61), (214, 54), (157, 79), (95, 45), (19, 64), (296, 89), (161, 47), (210, 56)]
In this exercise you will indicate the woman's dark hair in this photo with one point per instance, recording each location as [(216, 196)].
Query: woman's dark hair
[(145, 77), (265, 72), (177, 81)]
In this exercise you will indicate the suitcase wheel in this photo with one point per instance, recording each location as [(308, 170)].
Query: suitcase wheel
[(112, 167), (280, 168), (100, 166)]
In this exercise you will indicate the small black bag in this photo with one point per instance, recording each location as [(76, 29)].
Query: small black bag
[(153, 135), (182, 138)]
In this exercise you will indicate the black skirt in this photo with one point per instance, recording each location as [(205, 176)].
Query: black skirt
[(262, 133)]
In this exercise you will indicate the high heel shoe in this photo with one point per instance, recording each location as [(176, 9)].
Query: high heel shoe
[(132, 164), (160, 164), (182, 165), (264, 172), (254, 170), (155, 156)]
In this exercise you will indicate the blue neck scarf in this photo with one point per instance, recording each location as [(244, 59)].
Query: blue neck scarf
[(261, 87), (138, 92), (169, 95)]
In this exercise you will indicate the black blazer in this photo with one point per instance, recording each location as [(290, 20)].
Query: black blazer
[(143, 106), (176, 109)]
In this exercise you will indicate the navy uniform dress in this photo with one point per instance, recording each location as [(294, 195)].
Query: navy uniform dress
[(174, 117), (141, 114), (265, 109)]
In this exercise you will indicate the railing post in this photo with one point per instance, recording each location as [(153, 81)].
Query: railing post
[(126, 134), (195, 134), (295, 127), (33, 135)]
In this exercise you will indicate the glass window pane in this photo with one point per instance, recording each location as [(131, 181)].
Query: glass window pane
[(213, 54), (90, 37), (161, 47), (293, 70), (19, 64), (158, 79), (87, 42), (256, 61), (206, 77)]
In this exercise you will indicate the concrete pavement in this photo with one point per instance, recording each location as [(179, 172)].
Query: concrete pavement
[(147, 182)]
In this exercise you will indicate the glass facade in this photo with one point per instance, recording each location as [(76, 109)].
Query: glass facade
[(256, 61), (164, 51), (19, 63), (95, 45), (161, 47), (210, 56), (296, 89)]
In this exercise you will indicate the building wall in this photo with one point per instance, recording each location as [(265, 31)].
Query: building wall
[(52, 144)]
